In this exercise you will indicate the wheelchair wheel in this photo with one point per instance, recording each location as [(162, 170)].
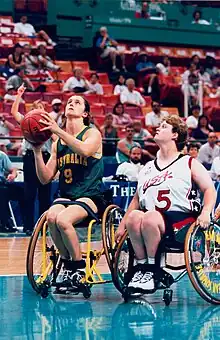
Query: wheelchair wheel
[(42, 262), (123, 264), (202, 258), (110, 222)]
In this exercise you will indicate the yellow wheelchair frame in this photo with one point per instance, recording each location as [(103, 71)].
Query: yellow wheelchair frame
[(49, 268)]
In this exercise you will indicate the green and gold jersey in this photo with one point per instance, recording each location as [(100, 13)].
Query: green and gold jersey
[(79, 176)]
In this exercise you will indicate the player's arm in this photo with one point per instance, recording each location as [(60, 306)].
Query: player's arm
[(46, 172), (15, 106), (134, 205), (202, 178)]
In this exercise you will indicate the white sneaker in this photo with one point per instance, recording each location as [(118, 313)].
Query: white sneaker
[(115, 69), (134, 283), (142, 282)]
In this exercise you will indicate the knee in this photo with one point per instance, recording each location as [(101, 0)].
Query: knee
[(51, 218), (150, 220), (134, 220), (41, 32), (63, 223)]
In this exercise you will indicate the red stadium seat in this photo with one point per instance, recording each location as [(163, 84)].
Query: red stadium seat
[(64, 75), (7, 20), (148, 100), (109, 100), (133, 111), (7, 41), (108, 89), (66, 66), (3, 61), (49, 97), (83, 64), (30, 97), (166, 51), (97, 110), (210, 102), (103, 78), (52, 87), (7, 108), (16, 132), (67, 95), (99, 120), (92, 98)]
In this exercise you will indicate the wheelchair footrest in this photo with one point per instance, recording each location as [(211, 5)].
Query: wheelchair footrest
[(163, 279)]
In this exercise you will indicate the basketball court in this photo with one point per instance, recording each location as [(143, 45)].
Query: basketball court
[(25, 315)]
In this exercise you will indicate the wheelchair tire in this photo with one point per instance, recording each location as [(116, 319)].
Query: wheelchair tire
[(197, 242), (35, 242), (123, 264), (110, 222)]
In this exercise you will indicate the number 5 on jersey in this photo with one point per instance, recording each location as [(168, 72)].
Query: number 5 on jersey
[(163, 197)]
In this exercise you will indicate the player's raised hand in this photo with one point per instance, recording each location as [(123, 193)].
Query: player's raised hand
[(49, 122), (21, 90)]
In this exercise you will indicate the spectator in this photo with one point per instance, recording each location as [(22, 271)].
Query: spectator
[(129, 5), (215, 169), (144, 65), (31, 61), (210, 66), (57, 112), (120, 118), (76, 83), (27, 30), (139, 132), (187, 73), (164, 66), (10, 95), (215, 92), (17, 80), (204, 76), (45, 61), (8, 191), (5, 128), (192, 121), (15, 62), (193, 150), (109, 131), (133, 166), (155, 117), (192, 89), (195, 60), (155, 10), (120, 86), (209, 151), (131, 97), (148, 70), (93, 84), (143, 13), (203, 129), (124, 145), (108, 47), (197, 16)]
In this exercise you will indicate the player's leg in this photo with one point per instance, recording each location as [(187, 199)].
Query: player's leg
[(133, 227)]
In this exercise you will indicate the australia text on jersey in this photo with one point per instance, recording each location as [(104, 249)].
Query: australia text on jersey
[(157, 180), (72, 158)]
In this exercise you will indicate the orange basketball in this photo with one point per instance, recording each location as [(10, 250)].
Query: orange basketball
[(31, 128)]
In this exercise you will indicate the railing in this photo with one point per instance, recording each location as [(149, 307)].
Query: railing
[(186, 97)]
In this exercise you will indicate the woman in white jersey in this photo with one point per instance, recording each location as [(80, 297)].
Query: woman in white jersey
[(165, 197)]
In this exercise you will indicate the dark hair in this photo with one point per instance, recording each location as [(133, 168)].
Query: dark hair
[(120, 75), (135, 146), (16, 46), (195, 107), (129, 126), (194, 14), (207, 121), (94, 74), (155, 101), (87, 119), (115, 107), (193, 145)]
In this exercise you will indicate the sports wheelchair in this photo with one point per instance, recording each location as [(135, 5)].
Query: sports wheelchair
[(201, 250)]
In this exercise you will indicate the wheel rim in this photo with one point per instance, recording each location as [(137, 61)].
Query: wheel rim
[(202, 256)]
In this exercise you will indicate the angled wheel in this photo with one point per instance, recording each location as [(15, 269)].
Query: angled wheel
[(202, 257), (42, 262), (123, 264), (110, 222)]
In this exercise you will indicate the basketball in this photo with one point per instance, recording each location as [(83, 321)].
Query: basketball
[(31, 128)]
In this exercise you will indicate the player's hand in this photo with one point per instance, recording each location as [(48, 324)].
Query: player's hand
[(49, 122), (203, 219), (11, 178), (36, 147), (119, 233), (21, 90)]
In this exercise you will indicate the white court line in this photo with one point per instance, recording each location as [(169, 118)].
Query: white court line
[(10, 275)]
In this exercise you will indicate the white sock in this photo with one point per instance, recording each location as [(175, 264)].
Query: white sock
[(151, 260), (114, 67), (149, 89), (50, 41), (143, 261)]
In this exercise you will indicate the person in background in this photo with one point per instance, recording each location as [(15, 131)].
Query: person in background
[(15, 62), (192, 89), (192, 121), (139, 132), (5, 128), (143, 13), (109, 131), (32, 185), (133, 166), (197, 18), (210, 66), (108, 48), (155, 11), (120, 86), (203, 129), (215, 169), (193, 150), (131, 97), (120, 118), (45, 61), (93, 85), (195, 60), (191, 70), (27, 30), (8, 191), (10, 95), (124, 145), (164, 66), (77, 83), (209, 151), (31, 61), (17, 80), (155, 117), (57, 111)]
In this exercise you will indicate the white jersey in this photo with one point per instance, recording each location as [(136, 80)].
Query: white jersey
[(168, 189)]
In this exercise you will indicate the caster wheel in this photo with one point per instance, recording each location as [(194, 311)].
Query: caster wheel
[(44, 293), (86, 292), (167, 296), (125, 295)]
